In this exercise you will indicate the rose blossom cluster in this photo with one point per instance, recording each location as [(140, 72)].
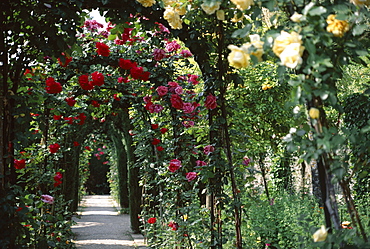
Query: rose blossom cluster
[(173, 11), (97, 79), (136, 72), (240, 56), (58, 179), (288, 46), (93, 25), (81, 117), (52, 86)]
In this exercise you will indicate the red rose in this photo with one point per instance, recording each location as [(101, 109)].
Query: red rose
[(176, 101), (160, 148), (53, 87), (156, 141), (88, 148), (57, 117), (103, 49), (54, 148), (19, 164), (84, 82), (75, 143), (173, 225), (164, 130), (154, 126), (97, 79), (126, 64), (210, 102), (95, 103), (82, 118), (67, 60), (69, 120), (70, 101), (139, 74), (115, 96), (152, 220), (57, 178), (175, 164)]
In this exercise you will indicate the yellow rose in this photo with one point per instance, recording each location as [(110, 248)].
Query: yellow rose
[(181, 10), (173, 18), (361, 3), (147, 3), (210, 9), (220, 15), (257, 44), (283, 40), (291, 56), (296, 17), (337, 27), (237, 58), (236, 18), (320, 235), (314, 113), (242, 4), (169, 2)]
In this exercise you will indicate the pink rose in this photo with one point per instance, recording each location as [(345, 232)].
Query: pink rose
[(159, 54), (162, 90), (191, 176), (175, 164), (47, 199), (246, 161), (188, 124), (200, 163), (178, 90), (186, 53), (193, 79), (147, 98), (210, 102), (208, 149), (155, 108), (188, 107), (172, 46)]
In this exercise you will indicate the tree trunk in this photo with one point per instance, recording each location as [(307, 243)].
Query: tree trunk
[(121, 156), (133, 172)]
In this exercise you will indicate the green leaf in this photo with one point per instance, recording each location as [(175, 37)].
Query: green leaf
[(362, 52), (241, 33), (317, 11), (310, 46), (359, 29), (112, 37)]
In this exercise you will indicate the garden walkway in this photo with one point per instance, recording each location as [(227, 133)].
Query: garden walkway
[(100, 226)]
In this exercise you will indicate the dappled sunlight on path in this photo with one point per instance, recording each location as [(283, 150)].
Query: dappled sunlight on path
[(100, 226)]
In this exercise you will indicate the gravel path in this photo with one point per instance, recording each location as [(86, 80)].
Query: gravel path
[(100, 226)]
